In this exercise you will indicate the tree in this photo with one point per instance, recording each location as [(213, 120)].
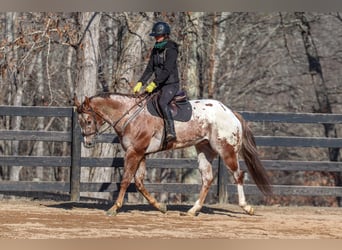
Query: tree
[(87, 52)]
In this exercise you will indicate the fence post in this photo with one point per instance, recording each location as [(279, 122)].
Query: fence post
[(75, 171), (222, 181)]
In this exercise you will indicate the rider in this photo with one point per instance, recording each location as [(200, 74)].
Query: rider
[(163, 63)]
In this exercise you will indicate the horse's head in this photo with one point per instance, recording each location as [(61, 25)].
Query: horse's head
[(89, 120)]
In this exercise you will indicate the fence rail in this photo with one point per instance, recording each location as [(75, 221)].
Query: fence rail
[(75, 161)]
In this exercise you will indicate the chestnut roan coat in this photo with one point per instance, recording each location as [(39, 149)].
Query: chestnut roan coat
[(213, 129)]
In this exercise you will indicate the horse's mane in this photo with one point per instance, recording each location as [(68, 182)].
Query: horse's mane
[(109, 94)]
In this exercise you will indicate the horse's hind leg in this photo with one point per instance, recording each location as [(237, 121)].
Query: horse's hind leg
[(205, 157), (139, 183), (231, 161), (238, 176)]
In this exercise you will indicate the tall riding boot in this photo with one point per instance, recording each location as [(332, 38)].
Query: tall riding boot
[(169, 125)]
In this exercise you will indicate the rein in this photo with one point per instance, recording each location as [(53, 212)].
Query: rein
[(114, 124), (146, 97)]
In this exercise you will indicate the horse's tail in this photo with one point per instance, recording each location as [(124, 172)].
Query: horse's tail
[(250, 155)]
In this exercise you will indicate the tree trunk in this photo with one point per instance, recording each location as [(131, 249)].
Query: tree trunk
[(212, 57), (16, 94), (60, 172), (87, 60), (110, 56), (39, 146), (87, 55), (129, 61), (194, 45)]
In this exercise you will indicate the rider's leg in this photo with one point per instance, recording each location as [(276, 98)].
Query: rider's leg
[(167, 94)]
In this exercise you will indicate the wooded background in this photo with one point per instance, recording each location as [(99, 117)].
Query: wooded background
[(274, 62)]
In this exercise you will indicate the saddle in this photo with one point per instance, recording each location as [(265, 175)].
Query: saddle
[(180, 107)]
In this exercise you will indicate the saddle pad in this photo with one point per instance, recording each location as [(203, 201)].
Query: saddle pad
[(183, 113)]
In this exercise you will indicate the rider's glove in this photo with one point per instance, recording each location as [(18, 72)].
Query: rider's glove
[(150, 87), (137, 87)]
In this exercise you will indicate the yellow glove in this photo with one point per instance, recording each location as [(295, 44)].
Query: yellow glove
[(137, 87), (150, 87)]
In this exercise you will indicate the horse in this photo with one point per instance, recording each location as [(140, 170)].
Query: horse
[(213, 129)]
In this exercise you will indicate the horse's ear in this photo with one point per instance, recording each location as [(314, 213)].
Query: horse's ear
[(76, 101), (86, 102)]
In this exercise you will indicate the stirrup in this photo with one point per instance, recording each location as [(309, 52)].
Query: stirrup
[(170, 137)]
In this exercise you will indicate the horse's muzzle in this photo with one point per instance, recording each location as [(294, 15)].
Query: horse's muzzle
[(89, 144)]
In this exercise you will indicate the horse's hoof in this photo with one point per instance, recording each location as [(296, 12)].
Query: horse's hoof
[(111, 213), (183, 214), (188, 213), (249, 210), (162, 208)]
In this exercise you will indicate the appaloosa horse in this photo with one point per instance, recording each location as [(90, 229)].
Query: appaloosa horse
[(213, 129)]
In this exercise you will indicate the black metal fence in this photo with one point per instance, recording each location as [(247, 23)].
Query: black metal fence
[(75, 161)]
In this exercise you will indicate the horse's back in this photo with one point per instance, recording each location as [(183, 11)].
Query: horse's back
[(213, 110)]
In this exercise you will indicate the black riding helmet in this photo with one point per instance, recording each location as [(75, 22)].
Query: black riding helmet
[(160, 28)]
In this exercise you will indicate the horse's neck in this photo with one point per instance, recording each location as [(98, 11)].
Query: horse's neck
[(114, 107)]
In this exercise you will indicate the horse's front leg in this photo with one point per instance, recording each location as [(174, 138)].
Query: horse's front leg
[(139, 183), (132, 159)]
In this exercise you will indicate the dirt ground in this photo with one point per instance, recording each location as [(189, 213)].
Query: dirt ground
[(24, 219)]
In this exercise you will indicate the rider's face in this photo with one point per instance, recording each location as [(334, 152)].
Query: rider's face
[(159, 38)]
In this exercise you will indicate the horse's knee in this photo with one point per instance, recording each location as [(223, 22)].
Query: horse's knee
[(125, 183), (139, 185)]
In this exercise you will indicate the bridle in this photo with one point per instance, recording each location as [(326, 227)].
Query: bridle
[(96, 131), (93, 112)]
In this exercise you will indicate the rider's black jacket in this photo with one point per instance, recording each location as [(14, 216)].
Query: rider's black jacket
[(163, 63)]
